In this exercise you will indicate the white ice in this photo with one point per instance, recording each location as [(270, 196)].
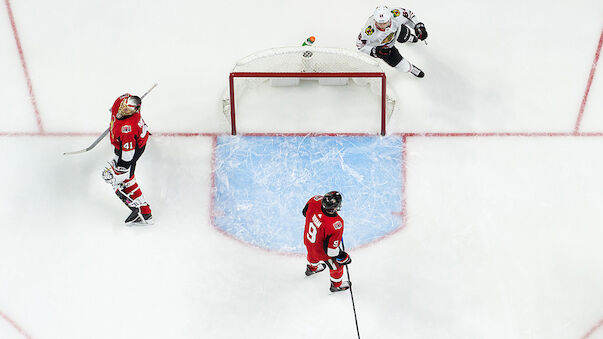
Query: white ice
[(502, 236)]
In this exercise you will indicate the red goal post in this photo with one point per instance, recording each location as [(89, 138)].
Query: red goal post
[(234, 75), (310, 63)]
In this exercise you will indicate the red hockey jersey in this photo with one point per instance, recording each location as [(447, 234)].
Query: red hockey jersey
[(130, 133), (322, 232)]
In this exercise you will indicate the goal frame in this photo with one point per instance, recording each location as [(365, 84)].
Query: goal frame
[(234, 75)]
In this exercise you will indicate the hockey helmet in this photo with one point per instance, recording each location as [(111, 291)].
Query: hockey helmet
[(382, 14), (130, 105), (331, 201)]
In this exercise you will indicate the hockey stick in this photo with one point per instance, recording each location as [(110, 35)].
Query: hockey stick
[(102, 136), (347, 270)]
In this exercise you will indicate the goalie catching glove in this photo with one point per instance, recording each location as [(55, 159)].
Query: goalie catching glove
[(115, 175)]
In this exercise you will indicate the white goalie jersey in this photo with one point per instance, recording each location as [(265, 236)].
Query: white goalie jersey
[(371, 36)]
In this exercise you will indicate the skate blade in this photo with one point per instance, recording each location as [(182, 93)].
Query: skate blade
[(140, 223)]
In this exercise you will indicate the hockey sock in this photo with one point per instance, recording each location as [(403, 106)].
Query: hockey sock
[(404, 66), (337, 276)]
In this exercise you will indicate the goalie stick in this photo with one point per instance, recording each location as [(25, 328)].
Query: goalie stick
[(102, 136)]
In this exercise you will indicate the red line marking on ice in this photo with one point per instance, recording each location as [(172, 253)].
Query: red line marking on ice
[(184, 134), (588, 84), (404, 161), (15, 325), (95, 134), (311, 134), (32, 97), (593, 330), (212, 194), (504, 134), (47, 134), (405, 135)]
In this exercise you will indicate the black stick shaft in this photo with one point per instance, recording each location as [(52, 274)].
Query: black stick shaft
[(347, 270)]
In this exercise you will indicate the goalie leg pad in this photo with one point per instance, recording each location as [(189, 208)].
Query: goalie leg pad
[(132, 191), (124, 198), (336, 275)]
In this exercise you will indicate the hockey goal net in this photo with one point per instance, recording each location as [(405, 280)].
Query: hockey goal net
[(287, 66)]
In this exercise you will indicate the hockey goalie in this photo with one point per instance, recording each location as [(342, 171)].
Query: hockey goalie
[(129, 135)]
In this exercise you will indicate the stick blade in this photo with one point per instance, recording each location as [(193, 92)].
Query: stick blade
[(74, 152)]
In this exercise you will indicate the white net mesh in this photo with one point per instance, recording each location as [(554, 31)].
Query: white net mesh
[(309, 59)]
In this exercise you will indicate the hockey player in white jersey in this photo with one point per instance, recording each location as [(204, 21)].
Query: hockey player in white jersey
[(383, 29)]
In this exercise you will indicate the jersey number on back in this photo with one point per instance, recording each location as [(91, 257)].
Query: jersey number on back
[(313, 229)]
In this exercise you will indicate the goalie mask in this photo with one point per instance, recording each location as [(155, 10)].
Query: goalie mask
[(331, 202), (129, 106)]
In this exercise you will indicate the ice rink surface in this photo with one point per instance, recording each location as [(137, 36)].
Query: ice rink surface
[(500, 229)]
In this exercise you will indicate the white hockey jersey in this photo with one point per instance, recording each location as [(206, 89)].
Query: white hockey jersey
[(371, 36)]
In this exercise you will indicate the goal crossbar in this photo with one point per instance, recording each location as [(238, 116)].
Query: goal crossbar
[(234, 75)]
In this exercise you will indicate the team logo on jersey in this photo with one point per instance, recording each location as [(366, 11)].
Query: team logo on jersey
[(126, 129), (369, 30), (337, 225), (388, 38), (396, 12)]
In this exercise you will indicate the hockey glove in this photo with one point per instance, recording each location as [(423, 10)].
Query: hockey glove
[(343, 258), (115, 175), (420, 31), (381, 52)]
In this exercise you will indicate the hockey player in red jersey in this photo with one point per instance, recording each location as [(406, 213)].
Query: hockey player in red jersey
[(322, 237), (129, 138)]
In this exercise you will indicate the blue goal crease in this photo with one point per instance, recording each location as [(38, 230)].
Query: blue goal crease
[(263, 182)]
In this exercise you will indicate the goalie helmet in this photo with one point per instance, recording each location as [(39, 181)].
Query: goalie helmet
[(130, 105), (331, 201), (382, 14)]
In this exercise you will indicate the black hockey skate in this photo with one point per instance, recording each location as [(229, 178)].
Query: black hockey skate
[(137, 218), (416, 71), (321, 267), (345, 285), (133, 215)]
